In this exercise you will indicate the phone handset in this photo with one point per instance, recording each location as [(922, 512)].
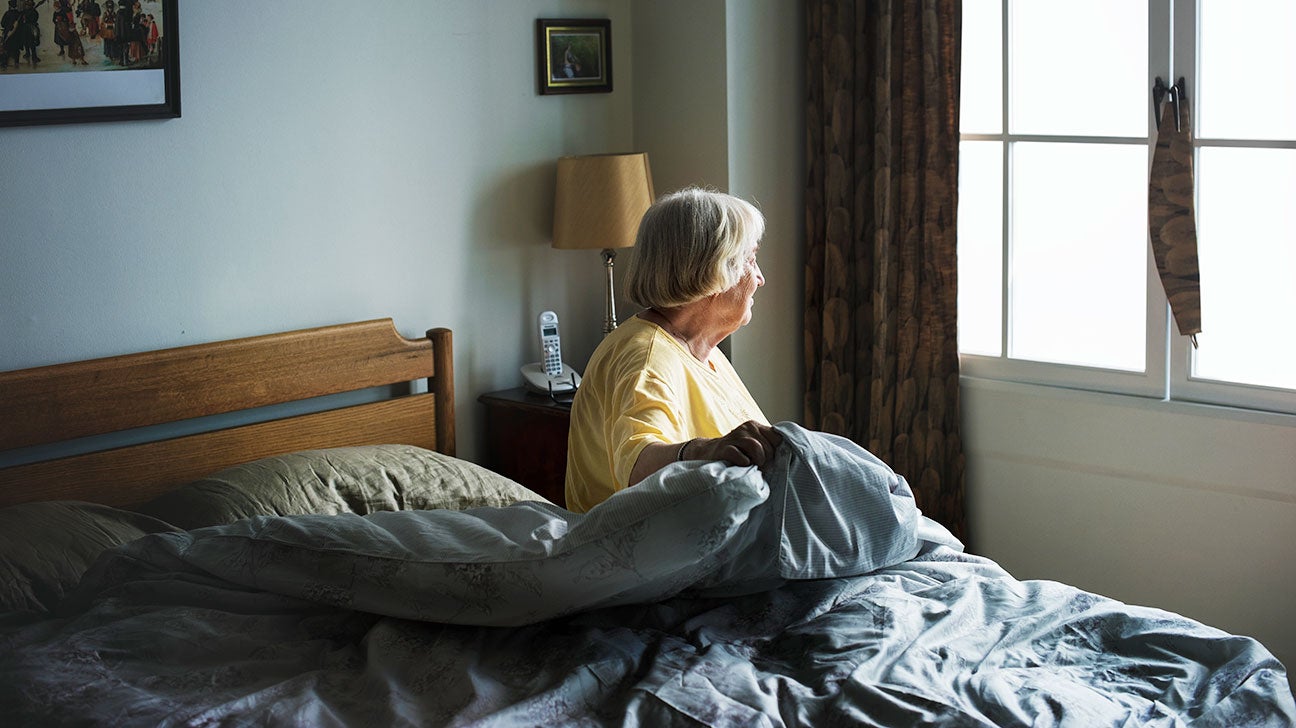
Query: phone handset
[(550, 375), (550, 344)]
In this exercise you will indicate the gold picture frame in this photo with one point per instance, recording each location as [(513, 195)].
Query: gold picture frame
[(573, 56)]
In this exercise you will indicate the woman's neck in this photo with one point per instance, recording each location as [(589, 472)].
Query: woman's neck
[(686, 325)]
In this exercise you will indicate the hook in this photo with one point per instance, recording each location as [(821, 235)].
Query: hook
[(1181, 94), (1176, 92), (1158, 95)]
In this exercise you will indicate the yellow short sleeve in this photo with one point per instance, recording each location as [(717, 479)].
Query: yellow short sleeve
[(642, 386)]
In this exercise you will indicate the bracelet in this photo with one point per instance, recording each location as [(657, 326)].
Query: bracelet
[(680, 455)]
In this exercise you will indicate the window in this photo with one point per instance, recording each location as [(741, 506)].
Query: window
[(1056, 279)]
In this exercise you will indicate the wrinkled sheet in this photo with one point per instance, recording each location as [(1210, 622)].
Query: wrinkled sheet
[(944, 639), (325, 621)]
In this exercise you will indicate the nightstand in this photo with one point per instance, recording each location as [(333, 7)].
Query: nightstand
[(526, 440)]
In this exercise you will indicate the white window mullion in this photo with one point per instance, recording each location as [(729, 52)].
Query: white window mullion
[(1161, 64), (1005, 262), (1183, 62)]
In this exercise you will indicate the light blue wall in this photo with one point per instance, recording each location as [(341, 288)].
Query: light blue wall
[(327, 168)]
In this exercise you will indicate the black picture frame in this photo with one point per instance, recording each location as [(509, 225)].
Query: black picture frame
[(136, 76), (574, 55)]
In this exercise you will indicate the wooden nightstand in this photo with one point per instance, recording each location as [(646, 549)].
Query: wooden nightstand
[(526, 440)]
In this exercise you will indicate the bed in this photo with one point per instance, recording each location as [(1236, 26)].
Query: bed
[(325, 559)]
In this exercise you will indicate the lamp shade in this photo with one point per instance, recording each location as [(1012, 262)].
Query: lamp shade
[(599, 200)]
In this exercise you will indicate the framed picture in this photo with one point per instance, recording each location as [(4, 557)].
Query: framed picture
[(574, 56), (66, 61)]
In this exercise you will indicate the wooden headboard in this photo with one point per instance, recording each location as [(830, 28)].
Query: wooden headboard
[(64, 402)]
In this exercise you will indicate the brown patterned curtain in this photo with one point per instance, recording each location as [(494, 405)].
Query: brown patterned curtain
[(881, 302)]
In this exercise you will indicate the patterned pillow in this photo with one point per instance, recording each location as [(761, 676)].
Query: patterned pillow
[(340, 480), (46, 547)]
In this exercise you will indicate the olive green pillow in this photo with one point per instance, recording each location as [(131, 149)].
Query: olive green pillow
[(339, 480)]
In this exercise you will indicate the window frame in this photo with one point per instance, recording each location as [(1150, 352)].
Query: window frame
[(1167, 373), (1182, 383)]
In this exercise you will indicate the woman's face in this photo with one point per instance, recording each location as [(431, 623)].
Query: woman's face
[(733, 307)]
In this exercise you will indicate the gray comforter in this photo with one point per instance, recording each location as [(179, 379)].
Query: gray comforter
[(812, 594)]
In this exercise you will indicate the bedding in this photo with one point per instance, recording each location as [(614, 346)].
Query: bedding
[(811, 593), (45, 547)]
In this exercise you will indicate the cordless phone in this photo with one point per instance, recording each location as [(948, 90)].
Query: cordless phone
[(550, 344), (550, 375)]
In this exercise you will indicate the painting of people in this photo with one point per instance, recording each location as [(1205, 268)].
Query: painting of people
[(54, 36)]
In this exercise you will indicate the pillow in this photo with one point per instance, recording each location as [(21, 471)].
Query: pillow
[(45, 547), (361, 480)]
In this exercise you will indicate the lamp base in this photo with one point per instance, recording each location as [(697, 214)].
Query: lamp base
[(609, 307)]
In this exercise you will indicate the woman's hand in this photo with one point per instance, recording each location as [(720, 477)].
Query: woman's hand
[(750, 443)]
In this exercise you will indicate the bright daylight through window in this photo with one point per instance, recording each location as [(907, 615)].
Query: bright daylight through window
[(1057, 284)]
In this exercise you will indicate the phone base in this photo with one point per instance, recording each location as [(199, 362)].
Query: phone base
[(536, 380)]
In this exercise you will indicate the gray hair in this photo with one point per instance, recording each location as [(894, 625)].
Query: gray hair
[(691, 244)]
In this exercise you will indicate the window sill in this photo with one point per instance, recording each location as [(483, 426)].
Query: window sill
[(1145, 404)]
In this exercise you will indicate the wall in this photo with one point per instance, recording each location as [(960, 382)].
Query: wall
[(766, 97), (679, 106), (324, 170), (1178, 506), (719, 102)]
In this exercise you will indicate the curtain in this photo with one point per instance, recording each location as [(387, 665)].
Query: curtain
[(881, 299)]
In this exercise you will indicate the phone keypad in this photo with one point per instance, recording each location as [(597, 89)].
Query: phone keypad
[(552, 359)]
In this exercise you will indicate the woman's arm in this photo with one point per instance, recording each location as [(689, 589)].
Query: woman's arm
[(751, 443)]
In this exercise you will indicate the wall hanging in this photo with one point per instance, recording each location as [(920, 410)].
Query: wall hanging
[(574, 56), (63, 61)]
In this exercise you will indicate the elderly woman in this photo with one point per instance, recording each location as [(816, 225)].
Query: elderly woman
[(657, 390)]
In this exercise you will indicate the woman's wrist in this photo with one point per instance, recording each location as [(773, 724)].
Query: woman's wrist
[(679, 456)]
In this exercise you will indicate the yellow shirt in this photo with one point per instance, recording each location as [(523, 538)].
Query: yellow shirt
[(643, 386)]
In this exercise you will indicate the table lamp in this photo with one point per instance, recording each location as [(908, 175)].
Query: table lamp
[(598, 202)]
